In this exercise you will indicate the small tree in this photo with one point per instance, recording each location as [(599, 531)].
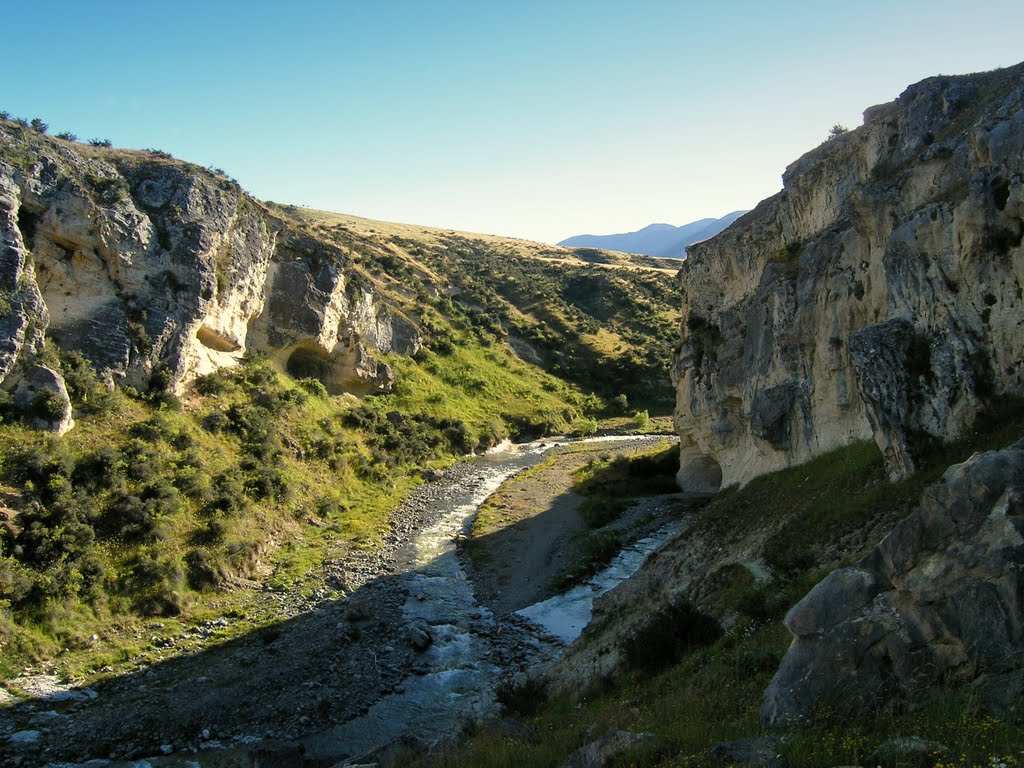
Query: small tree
[(837, 130), (38, 125)]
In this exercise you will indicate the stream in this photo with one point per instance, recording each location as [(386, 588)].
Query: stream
[(455, 682)]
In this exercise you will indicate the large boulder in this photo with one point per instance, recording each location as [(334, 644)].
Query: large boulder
[(42, 396), (939, 600)]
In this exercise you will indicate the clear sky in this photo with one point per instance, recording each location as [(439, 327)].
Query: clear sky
[(535, 118)]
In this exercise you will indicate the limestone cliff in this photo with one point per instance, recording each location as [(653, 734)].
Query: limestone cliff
[(158, 271), (878, 295)]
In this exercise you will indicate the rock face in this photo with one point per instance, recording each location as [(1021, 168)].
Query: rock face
[(878, 295), (939, 600), (150, 266)]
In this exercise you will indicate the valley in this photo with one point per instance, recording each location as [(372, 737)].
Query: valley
[(285, 487)]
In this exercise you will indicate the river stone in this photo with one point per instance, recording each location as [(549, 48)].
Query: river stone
[(24, 737), (939, 601), (419, 635)]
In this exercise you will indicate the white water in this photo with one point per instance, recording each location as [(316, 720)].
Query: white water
[(456, 679), (566, 615)]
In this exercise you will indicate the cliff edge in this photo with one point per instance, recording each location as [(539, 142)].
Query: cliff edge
[(158, 271), (878, 295)]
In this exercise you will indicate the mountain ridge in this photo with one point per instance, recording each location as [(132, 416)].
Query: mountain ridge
[(658, 239)]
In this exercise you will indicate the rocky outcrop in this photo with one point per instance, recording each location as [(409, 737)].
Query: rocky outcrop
[(939, 600), (324, 320), (159, 271), (878, 295)]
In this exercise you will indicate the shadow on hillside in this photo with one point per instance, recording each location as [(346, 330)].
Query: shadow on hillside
[(294, 679), (278, 682)]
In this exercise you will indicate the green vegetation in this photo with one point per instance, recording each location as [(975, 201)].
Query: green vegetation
[(646, 473), (837, 130), (553, 307), (607, 328), (712, 696), (609, 487), (704, 688), (153, 506)]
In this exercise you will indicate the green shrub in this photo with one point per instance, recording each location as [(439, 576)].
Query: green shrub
[(53, 532), (216, 383), (601, 510), (87, 391), (49, 405), (142, 460), (314, 387), (34, 466), (101, 469), (584, 426), (641, 419), (667, 635), (157, 586), (228, 497), (135, 518), (206, 570)]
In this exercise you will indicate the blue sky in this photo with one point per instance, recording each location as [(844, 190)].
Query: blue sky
[(536, 119)]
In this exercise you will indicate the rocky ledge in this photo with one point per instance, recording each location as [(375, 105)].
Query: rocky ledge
[(939, 601)]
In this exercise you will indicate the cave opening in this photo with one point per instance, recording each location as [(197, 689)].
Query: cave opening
[(27, 223), (699, 473), (305, 363)]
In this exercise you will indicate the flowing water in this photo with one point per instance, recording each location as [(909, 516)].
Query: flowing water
[(457, 673), (566, 615)]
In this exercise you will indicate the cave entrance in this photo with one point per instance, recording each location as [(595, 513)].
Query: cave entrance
[(27, 223), (305, 363), (699, 473)]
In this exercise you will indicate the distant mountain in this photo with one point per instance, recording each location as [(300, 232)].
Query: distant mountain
[(656, 239)]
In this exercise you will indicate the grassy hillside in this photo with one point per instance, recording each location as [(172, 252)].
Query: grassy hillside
[(153, 505), (602, 321)]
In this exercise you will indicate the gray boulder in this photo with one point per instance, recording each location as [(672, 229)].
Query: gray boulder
[(42, 396), (940, 599)]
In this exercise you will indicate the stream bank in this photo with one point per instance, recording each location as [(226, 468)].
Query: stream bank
[(407, 653)]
